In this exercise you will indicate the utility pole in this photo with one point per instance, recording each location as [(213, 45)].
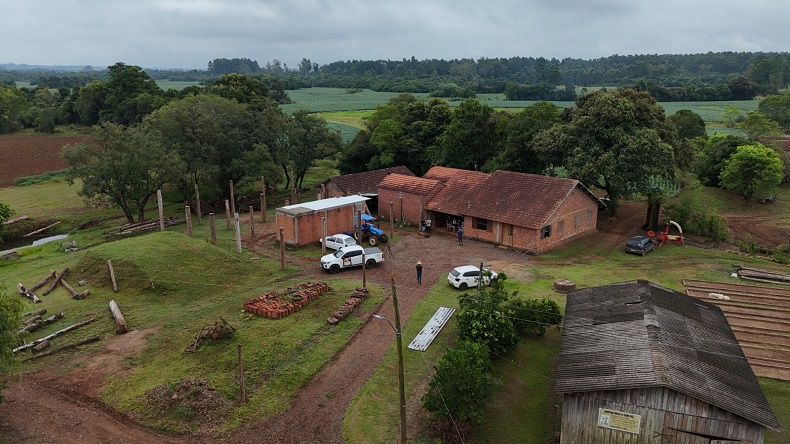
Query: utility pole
[(400, 363)]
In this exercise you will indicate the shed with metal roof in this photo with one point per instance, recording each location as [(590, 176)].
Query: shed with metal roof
[(302, 224), (641, 363)]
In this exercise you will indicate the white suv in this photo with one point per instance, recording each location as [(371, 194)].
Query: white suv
[(468, 275)]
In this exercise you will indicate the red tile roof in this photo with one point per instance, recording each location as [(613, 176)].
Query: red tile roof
[(367, 181), (442, 174), (409, 184), (458, 193), (525, 200)]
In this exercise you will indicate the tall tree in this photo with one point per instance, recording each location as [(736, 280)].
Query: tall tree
[(518, 153), (753, 169), (122, 167), (470, 140), (712, 155), (13, 105), (313, 140), (131, 95), (777, 108), (758, 126), (615, 140)]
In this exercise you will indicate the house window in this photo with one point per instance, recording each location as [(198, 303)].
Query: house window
[(481, 224), (560, 226), (545, 232), (589, 215), (577, 220)]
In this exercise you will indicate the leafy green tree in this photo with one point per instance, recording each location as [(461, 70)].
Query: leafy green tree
[(313, 140), (123, 167), (46, 111), (777, 108), (519, 131), (88, 102), (533, 315), (758, 126), (131, 95), (461, 385), (712, 154), (5, 213), (482, 318), (10, 320), (241, 88), (753, 169), (688, 125), (730, 116), (470, 140), (13, 105), (615, 140)]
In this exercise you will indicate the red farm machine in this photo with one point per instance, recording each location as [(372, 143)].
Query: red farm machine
[(674, 235)]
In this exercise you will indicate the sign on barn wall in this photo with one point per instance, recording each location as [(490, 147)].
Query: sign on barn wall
[(612, 419)]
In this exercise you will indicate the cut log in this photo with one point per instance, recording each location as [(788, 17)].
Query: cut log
[(42, 282), (32, 319), (73, 292), (120, 322), (41, 346), (35, 325), (55, 283), (41, 229), (16, 219), (35, 313), (57, 333), (27, 293), (64, 348)]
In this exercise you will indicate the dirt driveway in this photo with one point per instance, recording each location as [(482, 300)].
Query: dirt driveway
[(43, 409)]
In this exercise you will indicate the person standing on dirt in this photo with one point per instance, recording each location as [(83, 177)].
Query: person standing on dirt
[(460, 235), (419, 272), (428, 227)]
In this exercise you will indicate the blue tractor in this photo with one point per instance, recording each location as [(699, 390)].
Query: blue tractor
[(370, 232)]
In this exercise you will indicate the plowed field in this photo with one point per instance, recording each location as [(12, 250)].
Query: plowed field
[(31, 154)]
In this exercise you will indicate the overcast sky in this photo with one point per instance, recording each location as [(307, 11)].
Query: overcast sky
[(189, 33)]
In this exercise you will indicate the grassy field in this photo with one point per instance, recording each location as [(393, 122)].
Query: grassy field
[(522, 409), (177, 85)]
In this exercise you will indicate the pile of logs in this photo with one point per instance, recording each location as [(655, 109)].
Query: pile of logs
[(276, 305), (42, 343), (215, 331), (351, 303), (36, 321), (755, 274), (142, 227)]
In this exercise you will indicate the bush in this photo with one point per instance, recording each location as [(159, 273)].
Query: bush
[(690, 212), (482, 318), (461, 385), (534, 315)]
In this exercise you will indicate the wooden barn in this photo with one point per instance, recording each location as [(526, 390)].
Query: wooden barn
[(302, 222), (640, 363)]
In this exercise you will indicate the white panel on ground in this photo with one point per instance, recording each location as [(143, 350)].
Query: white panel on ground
[(431, 329)]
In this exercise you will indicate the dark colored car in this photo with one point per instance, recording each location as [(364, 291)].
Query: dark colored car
[(640, 245)]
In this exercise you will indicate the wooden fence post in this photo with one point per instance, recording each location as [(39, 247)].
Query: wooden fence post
[(263, 198), (252, 221), (232, 199), (282, 248), (197, 201), (188, 217), (294, 197), (238, 232), (213, 227), (161, 210), (227, 214), (392, 222), (112, 276)]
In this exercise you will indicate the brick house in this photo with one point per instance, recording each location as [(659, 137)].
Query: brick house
[(302, 222), (525, 211), (408, 194), (640, 363), (364, 184)]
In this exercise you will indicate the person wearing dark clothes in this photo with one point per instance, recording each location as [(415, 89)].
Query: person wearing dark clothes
[(419, 272), (428, 227), (460, 235)]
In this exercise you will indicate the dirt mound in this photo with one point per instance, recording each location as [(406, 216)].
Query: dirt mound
[(190, 405)]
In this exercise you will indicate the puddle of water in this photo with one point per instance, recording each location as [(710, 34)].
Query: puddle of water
[(36, 242)]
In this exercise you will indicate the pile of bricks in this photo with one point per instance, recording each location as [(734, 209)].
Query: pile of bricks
[(277, 305), (351, 303)]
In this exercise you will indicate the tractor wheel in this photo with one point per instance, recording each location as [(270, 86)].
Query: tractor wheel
[(334, 269), (373, 240), (463, 286), (370, 263), (384, 239)]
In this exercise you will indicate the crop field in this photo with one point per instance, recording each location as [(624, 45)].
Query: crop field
[(28, 155), (177, 85)]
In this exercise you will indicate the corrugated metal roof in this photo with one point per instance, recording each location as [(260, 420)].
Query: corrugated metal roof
[(431, 329), (638, 334), (320, 205)]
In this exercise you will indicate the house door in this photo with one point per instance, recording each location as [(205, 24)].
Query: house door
[(507, 235)]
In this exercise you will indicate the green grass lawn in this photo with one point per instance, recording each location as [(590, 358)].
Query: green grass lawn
[(523, 407)]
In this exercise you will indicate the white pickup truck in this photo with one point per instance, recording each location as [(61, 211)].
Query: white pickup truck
[(351, 256)]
